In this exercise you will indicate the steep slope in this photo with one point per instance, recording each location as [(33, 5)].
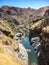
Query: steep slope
[(6, 58), (40, 32), (22, 15), (41, 11), (11, 51), (7, 46)]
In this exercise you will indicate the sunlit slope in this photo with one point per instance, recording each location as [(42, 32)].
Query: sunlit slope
[(7, 45), (7, 59)]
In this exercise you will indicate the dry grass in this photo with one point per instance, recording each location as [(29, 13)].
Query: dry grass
[(46, 29), (7, 45), (37, 24), (7, 59)]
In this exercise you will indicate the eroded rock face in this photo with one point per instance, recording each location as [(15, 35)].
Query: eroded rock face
[(43, 49), (45, 45), (23, 54), (46, 13)]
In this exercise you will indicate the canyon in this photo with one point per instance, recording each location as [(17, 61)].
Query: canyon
[(17, 23)]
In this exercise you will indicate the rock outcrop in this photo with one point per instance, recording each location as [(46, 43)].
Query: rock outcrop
[(41, 29), (45, 45)]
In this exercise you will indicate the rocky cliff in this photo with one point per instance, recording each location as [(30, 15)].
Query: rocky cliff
[(40, 29)]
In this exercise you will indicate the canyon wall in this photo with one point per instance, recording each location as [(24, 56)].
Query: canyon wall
[(40, 29)]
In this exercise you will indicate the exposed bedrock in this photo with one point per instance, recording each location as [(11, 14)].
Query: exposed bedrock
[(39, 39)]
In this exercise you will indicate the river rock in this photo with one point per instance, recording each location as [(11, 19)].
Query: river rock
[(23, 54)]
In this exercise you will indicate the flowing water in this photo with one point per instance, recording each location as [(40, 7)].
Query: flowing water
[(31, 54)]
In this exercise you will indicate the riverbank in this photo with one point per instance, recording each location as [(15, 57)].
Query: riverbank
[(31, 53)]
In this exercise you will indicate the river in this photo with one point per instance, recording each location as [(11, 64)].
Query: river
[(31, 54)]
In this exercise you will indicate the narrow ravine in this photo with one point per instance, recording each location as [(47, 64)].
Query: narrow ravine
[(31, 53)]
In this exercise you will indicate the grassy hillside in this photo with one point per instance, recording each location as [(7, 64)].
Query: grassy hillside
[(8, 45)]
